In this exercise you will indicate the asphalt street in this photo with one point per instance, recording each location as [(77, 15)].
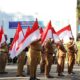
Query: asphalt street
[(12, 68)]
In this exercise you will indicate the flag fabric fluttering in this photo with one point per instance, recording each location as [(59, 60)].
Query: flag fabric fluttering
[(18, 37), (35, 32), (31, 35), (25, 42), (2, 36), (55, 36), (47, 33), (65, 33), (41, 31)]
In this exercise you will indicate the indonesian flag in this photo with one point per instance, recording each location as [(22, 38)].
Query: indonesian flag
[(41, 31), (2, 36), (25, 42), (65, 33), (35, 32), (17, 39), (55, 36), (47, 33), (30, 36)]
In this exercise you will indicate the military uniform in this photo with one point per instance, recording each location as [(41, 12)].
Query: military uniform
[(21, 62), (71, 56), (60, 59), (3, 57), (48, 57), (34, 58)]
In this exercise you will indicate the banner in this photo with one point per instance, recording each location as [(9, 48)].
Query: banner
[(24, 24)]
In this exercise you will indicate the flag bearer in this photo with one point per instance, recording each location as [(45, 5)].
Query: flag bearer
[(34, 58), (71, 55), (48, 57), (3, 57), (61, 54)]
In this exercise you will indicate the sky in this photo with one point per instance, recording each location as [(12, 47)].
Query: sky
[(60, 12)]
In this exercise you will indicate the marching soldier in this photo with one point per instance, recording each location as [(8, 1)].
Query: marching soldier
[(3, 57), (21, 62), (48, 57), (34, 58), (71, 55), (61, 54)]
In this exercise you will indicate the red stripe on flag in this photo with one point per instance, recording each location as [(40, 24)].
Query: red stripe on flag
[(63, 29), (49, 27), (16, 37)]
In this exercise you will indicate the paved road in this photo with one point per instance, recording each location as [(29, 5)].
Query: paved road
[(11, 69)]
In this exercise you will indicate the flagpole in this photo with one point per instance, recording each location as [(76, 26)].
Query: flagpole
[(70, 28)]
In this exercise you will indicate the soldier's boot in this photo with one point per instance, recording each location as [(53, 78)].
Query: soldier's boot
[(47, 70), (33, 78), (37, 79)]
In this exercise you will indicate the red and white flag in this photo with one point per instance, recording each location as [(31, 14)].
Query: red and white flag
[(2, 36), (35, 32), (55, 36), (47, 33), (30, 36), (25, 42), (65, 33), (17, 39), (41, 31)]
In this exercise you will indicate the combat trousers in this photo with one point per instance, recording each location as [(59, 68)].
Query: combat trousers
[(48, 64), (3, 61), (71, 62), (60, 65), (63, 64), (20, 66), (42, 64), (34, 60)]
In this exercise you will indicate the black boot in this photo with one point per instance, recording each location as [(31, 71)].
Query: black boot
[(37, 79), (32, 78), (3, 72)]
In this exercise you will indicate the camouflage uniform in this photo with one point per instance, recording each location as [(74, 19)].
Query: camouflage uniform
[(3, 57), (34, 58)]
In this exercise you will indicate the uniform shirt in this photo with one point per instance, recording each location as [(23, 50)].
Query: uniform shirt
[(36, 45), (4, 48), (70, 47), (61, 50), (49, 47)]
